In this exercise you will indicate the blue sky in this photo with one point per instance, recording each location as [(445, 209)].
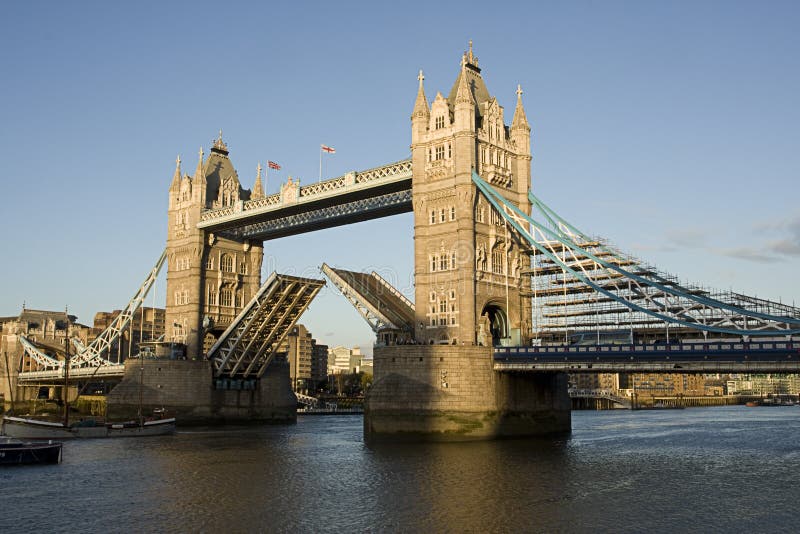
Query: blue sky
[(671, 129)]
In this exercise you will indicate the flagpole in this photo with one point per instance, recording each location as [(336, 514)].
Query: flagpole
[(320, 163)]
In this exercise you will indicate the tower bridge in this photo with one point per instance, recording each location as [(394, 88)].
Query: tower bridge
[(499, 278)]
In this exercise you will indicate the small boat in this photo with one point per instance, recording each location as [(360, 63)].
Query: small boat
[(24, 428), (16, 452)]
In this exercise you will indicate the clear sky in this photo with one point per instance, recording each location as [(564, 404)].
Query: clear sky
[(670, 128)]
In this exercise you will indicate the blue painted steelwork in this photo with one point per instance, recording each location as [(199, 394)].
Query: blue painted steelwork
[(515, 217)]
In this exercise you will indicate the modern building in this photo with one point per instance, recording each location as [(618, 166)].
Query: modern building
[(319, 363), (299, 353)]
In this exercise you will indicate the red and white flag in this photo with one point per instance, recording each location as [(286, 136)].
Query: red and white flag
[(328, 149), (273, 165)]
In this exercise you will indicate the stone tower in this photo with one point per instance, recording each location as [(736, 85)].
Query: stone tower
[(209, 278), (468, 268)]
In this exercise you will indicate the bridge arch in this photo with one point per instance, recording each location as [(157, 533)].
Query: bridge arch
[(496, 321)]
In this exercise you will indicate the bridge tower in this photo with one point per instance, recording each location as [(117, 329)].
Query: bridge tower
[(469, 282), (209, 278), (467, 268)]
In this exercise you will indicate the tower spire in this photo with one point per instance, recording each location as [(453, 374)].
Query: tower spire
[(198, 172), (176, 178), (421, 104), (519, 120), (258, 190)]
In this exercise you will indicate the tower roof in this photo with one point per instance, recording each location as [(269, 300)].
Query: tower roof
[(471, 75)]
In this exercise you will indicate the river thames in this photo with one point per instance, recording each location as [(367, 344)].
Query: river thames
[(718, 469)]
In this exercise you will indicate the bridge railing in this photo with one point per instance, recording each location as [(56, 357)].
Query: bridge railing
[(639, 348)]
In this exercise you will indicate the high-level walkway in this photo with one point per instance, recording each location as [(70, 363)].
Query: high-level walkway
[(354, 197)]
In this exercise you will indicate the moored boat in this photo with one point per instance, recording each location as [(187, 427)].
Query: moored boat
[(15, 452), (24, 428)]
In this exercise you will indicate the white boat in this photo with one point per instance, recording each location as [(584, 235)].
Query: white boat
[(24, 428)]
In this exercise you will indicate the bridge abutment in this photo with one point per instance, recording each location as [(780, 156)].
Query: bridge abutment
[(186, 389), (452, 393)]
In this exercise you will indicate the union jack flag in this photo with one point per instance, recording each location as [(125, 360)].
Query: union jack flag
[(273, 165)]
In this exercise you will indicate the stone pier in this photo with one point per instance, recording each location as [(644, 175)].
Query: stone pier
[(452, 393), (186, 390)]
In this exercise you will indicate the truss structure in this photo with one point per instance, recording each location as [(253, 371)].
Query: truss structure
[(97, 352), (380, 205), (381, 305), (582, 285), (250, 343)]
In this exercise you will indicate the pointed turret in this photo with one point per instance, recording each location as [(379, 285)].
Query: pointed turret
[(176, 178), (199, 180), (258, 191), (421, 114), (464, 104), (519, 120)]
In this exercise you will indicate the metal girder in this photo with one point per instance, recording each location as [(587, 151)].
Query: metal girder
[(658, 296), (38, 356), (380, 304), (97, 351), (249, 344), (374, 207)]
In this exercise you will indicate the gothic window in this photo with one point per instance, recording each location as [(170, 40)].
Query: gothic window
[(453, 260), (497, 262), (429, 155), (443, 262), (452, 213), (433, 216), (433, 296), (439, 153), (433, 263), (238, 299), (479, 211), (442, 217), (225, 297), (452, 294), (243, 268), (209, 263), (177, 298), (439, 122), (212, 296), (449, 152), (226, 264)]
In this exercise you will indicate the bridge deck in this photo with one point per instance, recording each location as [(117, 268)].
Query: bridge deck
[(713, 357)]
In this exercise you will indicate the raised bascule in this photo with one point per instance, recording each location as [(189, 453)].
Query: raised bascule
[(508, 297)]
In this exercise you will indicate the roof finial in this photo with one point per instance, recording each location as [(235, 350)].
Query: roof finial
[(519, 91), (471, 56), (178, 163), (420, 77), (200, 153)]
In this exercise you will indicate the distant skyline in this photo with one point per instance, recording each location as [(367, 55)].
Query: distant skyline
[(670, 129)]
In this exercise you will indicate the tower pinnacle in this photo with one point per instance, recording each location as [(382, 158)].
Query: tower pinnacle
[(519, 120), (258, 190), (176, 178)]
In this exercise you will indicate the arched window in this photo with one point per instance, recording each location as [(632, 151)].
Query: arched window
[(226, 297), (212, 295), (226, 264)]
